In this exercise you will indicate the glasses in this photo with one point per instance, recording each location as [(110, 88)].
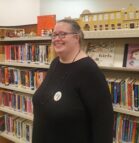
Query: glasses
[(61, 35)]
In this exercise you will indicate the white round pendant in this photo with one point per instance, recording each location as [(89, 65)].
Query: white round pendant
[(57, 96)]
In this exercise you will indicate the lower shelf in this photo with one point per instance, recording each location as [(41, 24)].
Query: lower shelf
[(119, 142), (16, 113), (11, 138), (29, 117), (14, 88), (16, 140), (125, 111)]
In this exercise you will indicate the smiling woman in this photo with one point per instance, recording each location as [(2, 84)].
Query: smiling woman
[(73, 104), (65, 38)]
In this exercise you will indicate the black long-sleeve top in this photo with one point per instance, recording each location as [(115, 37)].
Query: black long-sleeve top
[(81, 113)]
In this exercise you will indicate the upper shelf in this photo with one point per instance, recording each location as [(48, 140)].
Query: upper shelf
[(117, 108), (120, 69), (33, 38), (121, 33), (29, 65)]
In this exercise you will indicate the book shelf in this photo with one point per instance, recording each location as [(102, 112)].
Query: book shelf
[(44, 66), (120, 36), (17, 113), (126, 111), (104, 34), (123, 112), (23, 90), (26, 91), (32, 38)]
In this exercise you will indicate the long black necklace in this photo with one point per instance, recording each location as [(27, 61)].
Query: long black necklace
[(58, 94)]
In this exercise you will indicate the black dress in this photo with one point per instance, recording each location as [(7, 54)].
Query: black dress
[(73, 105)]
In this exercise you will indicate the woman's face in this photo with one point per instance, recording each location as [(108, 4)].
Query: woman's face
[(63, 38)]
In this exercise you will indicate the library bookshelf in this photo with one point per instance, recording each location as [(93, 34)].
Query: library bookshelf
[(119, 37), (24, 65), (125, 112)]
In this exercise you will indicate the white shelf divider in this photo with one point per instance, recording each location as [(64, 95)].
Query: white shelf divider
[(31, 38), (24, 90), (120, 68), (126, 111), (17, 113), (120, 33), (29, 65)]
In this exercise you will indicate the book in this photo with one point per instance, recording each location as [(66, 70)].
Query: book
[(45, 23), (2, 54), (2, 123), (102, 52), (27, 131), (131, 56), (136, 95)]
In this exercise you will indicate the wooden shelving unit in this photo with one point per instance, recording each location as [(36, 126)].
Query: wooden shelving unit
[(120, 37), (5, 109), (89, 35)]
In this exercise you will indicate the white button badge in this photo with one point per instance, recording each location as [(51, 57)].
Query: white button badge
[(57, 96)]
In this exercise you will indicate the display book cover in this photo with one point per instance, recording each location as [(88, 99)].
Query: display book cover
[(102, 52), (131, 56)]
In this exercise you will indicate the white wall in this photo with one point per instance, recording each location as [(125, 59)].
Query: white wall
[(73, 8), (19, 12)]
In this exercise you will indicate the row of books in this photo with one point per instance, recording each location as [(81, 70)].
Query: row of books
[(125, 129), (38, 53), (18, 127), (16, 101), (21, 77), (105, 53), (125, 92)]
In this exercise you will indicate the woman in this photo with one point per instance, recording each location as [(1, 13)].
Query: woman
[(73, 104)]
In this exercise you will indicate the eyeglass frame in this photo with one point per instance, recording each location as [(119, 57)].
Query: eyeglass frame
[(62, 35)]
